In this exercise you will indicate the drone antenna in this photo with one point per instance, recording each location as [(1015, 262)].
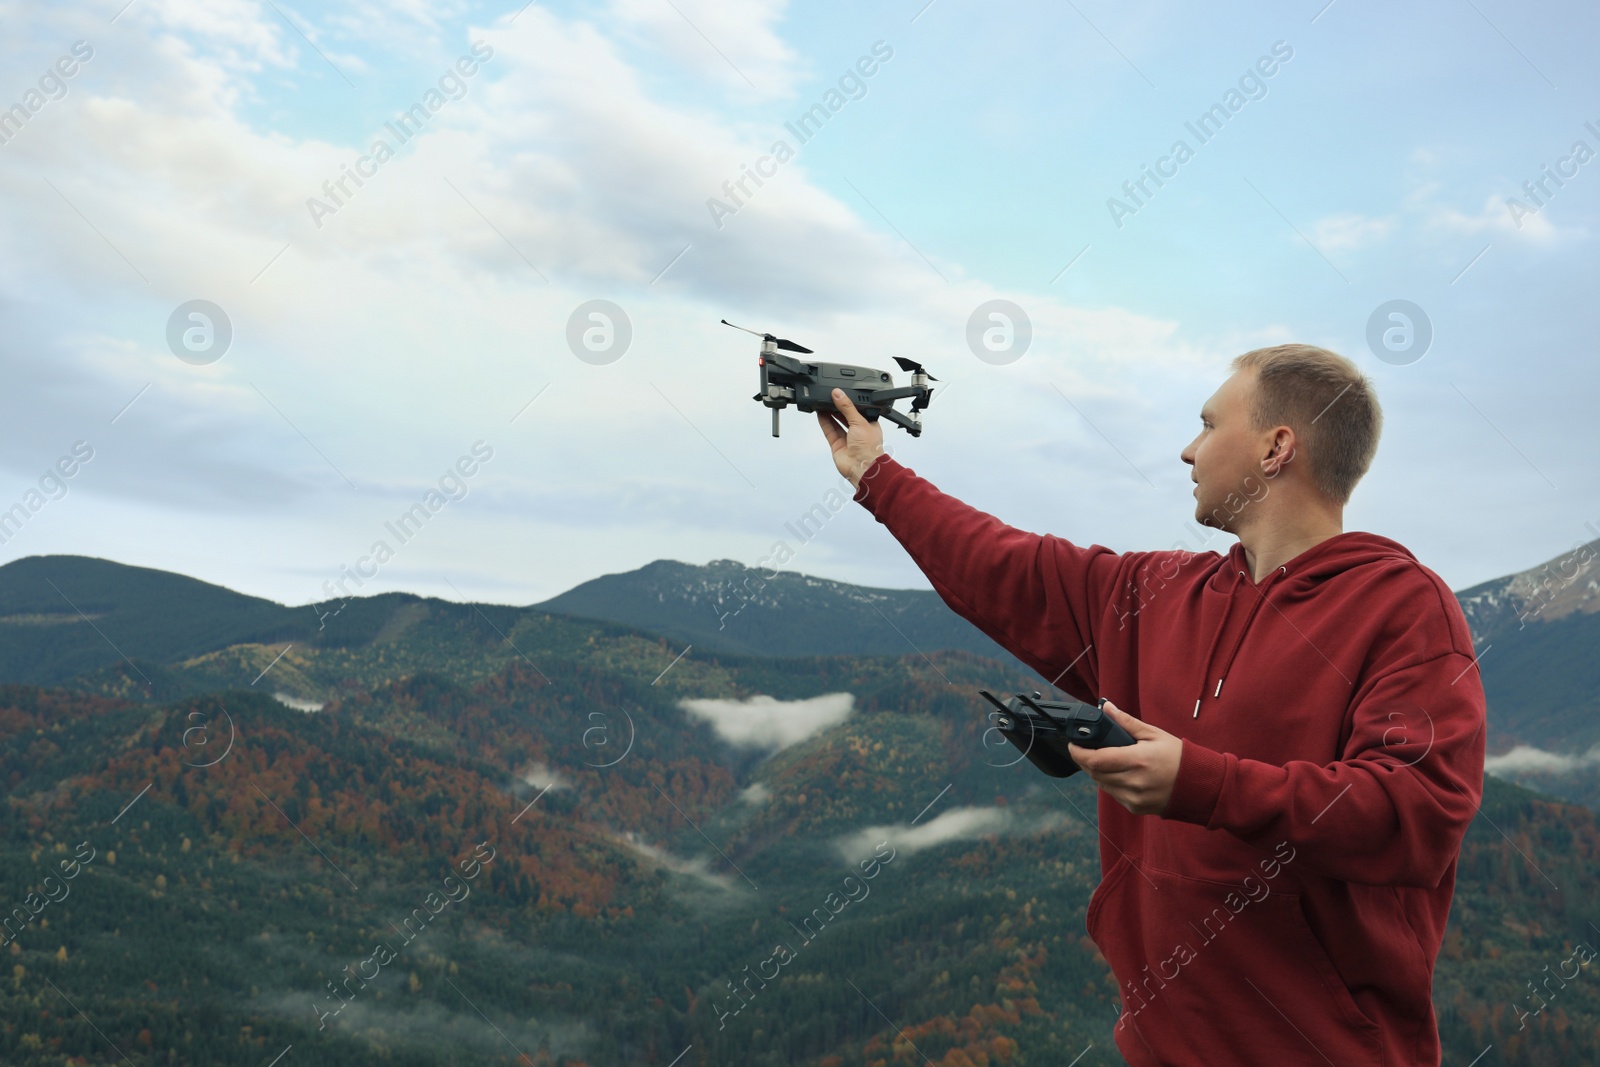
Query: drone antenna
[(1030, 702), (990, 697)]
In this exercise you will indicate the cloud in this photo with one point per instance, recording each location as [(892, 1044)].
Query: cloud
[(756, 793), (1349, 231), (1495, 217), (1526, 759), (541, 777), (733, 45), (1507, 212), (957, 824), (694, 867), (763, 722)]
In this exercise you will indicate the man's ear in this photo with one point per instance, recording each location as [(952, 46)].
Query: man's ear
[(1281, 453)]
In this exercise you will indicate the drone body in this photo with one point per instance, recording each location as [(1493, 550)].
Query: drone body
[(809, 386)]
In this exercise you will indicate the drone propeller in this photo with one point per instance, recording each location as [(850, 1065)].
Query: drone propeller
[(786, 345), (910, 365)]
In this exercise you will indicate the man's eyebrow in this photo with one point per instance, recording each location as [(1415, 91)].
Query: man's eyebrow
[(1205, 412)]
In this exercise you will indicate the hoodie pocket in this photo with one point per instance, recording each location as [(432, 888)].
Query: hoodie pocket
[(1097, 898), (1213, 972)]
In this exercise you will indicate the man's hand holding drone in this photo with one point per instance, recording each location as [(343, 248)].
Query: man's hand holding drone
[(856, 444)]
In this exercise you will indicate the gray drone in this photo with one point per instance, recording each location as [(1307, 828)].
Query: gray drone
[(809, 386)]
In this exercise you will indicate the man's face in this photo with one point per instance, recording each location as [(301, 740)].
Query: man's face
[(1225, 455)]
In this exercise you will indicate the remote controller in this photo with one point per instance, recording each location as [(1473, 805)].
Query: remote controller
[(1043, 729)]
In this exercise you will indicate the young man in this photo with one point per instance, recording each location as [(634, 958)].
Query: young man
[(1278, 848)]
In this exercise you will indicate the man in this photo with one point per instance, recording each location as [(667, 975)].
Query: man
[(1278, 847)]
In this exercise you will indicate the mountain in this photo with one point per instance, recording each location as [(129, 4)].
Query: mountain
[(1536, 634), (140, 632), (136, 631), (727, 607), (1566, 585), (62, 616)]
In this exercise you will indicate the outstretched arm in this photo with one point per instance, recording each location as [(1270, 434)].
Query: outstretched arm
[(1039, 596)]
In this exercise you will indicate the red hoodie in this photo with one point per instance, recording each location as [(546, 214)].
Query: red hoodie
[(1289, 903)]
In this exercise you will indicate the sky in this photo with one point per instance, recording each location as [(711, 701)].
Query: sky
[(226, 356)]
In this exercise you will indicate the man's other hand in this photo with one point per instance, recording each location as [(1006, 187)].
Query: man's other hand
[(856, 443), (1138, 776)]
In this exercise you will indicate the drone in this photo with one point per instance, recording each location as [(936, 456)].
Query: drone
[(809, 386)]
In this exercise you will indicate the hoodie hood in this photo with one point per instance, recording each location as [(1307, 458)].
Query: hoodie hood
[(1321, 561)]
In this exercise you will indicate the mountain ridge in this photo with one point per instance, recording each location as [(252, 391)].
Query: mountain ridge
[(67, 617)]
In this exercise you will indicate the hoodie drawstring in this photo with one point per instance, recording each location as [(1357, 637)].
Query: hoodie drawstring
[(1215, 637), (1261, 598)]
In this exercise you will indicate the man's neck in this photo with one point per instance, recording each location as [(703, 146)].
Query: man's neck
[(1267, 550)]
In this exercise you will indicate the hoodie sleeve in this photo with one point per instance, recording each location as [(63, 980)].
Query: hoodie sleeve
[(1036, 595), (1392, 811)]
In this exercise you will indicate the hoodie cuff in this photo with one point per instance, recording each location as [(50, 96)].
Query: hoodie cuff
[(878, 475), (1198, 785)]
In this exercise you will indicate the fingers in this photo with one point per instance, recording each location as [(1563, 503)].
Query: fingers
[(830, 428), (1101, 762), (1137, 728), (847, 409), (1106, 776)]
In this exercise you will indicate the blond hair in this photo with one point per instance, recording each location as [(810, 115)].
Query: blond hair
[(1327, 401)]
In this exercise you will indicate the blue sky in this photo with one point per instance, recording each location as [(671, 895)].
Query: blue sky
[(371, 353)]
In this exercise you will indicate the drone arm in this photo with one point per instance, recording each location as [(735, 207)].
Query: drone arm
[(783, 362), (922, 394), (900, 420)]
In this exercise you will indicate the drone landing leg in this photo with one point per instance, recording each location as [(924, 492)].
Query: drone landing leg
[(775, 421)]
